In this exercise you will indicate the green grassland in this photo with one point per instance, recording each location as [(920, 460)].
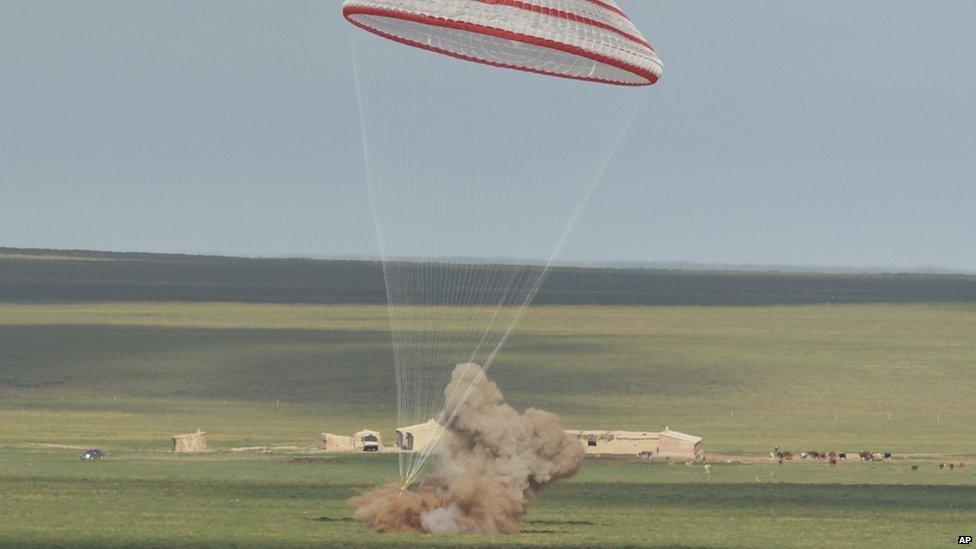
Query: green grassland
[(122, 374), (145, 498), (882, 377)]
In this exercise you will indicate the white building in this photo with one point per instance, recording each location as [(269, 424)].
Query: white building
[(416, 437), (665, 444), (363, 441)]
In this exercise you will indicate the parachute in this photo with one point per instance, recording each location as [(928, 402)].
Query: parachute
[(476, 175), (583, 39)]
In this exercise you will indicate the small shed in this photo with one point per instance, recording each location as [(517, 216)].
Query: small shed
[(680, 445), (338, 443), (192, 443), (417, 437), (367, 441)]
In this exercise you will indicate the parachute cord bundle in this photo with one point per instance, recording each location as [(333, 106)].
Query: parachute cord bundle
[(475, 177)]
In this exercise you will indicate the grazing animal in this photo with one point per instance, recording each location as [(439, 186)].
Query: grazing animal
[(887, 456), (832, 455), (843, 456), (942, 466), (961, 464), (803, 455), (914, 467), (833, 461), (865, 455), (708, 469), (952, 466)]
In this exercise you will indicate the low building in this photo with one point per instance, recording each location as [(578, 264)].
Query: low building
[(416, 437), (337, 443), (363, 441), (680, 445), (367, 441), (664, 444), (192, 443)]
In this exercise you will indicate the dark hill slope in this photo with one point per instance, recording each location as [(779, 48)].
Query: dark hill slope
[(46, 275)]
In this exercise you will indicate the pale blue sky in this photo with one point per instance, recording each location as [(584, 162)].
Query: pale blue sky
[(815, 133)]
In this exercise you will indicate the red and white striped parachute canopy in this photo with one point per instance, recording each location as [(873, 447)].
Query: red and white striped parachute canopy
[(582, 39)]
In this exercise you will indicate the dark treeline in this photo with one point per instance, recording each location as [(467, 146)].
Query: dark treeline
[(43, 275)]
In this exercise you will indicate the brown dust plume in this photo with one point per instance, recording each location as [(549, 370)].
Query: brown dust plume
[(490, 463)]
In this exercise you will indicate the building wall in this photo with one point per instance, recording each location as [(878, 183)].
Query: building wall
[(337, 443), (626, 443), (618, 446), (357, 439), (190, 444), (672, 447), (423, 435), (678, 448)]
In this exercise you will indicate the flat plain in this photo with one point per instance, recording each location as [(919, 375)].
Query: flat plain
[(123, 375)]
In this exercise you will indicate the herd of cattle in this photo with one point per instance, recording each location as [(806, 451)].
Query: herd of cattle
[(833, 457)]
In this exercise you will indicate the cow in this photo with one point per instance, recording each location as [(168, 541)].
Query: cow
[(865, 455), (833, 461), (914, 467)]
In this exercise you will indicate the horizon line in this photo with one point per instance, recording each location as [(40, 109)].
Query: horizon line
[(673, 265)]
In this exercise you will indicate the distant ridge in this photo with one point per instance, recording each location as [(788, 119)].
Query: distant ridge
[(622, 264), (38, 275)]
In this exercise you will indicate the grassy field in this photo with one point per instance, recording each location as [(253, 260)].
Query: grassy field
[(146, 498), (125, 375), (882, 377)]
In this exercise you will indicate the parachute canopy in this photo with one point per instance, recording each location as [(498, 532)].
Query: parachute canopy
[(591, 40)]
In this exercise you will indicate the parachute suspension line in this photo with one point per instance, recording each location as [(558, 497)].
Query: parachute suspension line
[(525, 300), (369, 129), (473, 190)]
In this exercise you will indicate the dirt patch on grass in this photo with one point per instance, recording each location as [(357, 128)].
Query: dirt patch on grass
[(307, 460)]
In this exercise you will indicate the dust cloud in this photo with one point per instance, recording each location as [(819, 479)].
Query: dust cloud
[(491, 463)]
